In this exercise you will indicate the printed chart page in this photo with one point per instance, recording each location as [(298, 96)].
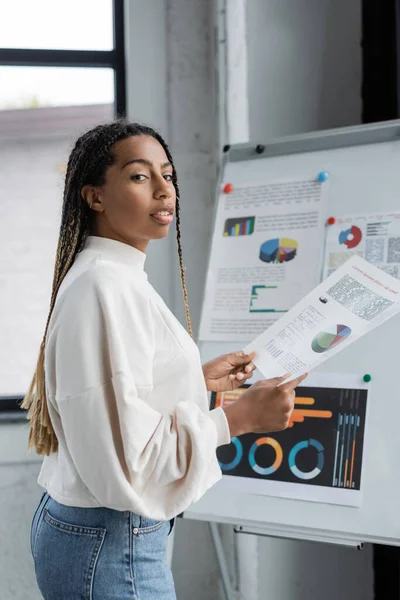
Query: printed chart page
[(265, 256), (354, 300), (375, 237), (319, 457)]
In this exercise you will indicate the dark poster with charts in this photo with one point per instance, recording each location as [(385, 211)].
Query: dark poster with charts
[(322, 448)]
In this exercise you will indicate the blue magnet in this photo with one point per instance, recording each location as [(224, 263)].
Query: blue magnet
[(323, 176)]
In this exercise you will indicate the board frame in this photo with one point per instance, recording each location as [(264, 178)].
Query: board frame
[(363, 135)]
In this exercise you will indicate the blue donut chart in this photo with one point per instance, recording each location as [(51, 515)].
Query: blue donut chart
[(320, 459), (278, 459), (239, 455)]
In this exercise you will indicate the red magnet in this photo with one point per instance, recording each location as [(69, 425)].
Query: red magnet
[(228, 188), (331, 221)]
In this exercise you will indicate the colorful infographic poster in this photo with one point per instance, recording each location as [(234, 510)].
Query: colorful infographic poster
[(319, 457), (375, 237), (265, 256)]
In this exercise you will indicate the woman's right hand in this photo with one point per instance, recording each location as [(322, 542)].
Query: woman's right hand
[(265, 407)]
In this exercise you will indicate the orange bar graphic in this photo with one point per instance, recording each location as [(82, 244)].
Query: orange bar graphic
[(352, 463), (227, 398), (298, 415), (320, 414), (304, 401)]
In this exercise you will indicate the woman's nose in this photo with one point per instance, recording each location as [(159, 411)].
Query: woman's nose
[(164, 190)]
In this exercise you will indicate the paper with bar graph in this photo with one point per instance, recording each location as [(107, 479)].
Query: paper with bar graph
[(319, 457), (265, 256)]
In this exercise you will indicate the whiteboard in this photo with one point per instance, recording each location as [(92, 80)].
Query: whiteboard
[(364, 166)]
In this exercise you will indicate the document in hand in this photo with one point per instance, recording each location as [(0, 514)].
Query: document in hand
[(354, 300)]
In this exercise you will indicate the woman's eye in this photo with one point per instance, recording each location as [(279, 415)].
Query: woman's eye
[(168, 176), (138, 177)]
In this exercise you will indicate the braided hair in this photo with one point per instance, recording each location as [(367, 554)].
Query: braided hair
[(87, 164)]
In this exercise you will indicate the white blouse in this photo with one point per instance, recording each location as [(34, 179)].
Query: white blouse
[(126, 393)]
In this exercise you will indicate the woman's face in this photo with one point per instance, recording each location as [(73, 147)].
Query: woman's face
[(136, 204)]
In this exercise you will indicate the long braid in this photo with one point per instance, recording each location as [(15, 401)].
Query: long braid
[(42, 434), (87, 164), (182, 268), (178, 234)]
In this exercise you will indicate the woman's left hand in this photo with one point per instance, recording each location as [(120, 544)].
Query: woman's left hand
[(229, 371)]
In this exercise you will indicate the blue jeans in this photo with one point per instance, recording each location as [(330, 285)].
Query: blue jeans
[(99, 554)]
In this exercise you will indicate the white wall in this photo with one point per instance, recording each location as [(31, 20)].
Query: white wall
[(19, 495), (311, 571), (304, 60)]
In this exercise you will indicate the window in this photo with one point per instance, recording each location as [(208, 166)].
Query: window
[(39, 87), (45, 24), (62, 71), (62, 54)]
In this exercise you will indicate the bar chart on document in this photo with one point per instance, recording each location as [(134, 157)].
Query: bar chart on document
[(239, 226), (265, 256)]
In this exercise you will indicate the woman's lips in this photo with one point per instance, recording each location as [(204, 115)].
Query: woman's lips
[(164, 219)]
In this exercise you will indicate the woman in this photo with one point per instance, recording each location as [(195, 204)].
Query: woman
[(118, 404)]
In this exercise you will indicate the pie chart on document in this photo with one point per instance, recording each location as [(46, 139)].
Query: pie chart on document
[(278, 250), (350, 237), (331, 337)]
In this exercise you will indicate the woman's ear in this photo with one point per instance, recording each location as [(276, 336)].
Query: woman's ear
[(91, 196)]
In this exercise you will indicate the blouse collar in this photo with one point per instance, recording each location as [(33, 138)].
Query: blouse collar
[(115, 250)]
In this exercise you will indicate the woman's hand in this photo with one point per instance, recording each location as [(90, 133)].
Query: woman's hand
[(229, 371), (265, 407)]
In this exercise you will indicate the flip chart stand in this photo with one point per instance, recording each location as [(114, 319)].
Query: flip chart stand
[(230, 591), (291, 534)]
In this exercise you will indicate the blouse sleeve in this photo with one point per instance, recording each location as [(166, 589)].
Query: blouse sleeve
[(129, 456)]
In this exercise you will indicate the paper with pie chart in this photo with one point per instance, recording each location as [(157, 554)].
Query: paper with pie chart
[(352, 301), (375, 237), (265, 255), (318, 457), (330, 337)]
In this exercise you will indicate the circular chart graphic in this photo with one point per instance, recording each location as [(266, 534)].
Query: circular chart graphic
[(239, 454), (278, 250), (332, 336), (350, 237), (320, 459), (278, 460)]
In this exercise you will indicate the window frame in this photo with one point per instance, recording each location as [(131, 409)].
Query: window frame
[(112, 59)]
